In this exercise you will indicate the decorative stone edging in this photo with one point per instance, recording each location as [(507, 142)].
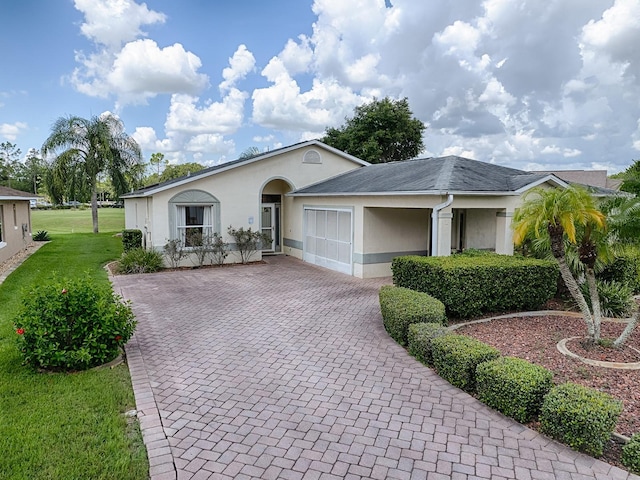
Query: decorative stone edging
[(562, 348)]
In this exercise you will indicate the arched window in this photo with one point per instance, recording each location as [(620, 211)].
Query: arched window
[(193, 215)]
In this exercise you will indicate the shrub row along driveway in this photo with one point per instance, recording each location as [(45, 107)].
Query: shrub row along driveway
[(284, 370)]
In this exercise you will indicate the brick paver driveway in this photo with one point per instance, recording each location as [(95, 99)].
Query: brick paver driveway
[(284, 370)]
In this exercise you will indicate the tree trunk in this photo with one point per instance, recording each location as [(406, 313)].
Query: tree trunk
[(595, 302), (575, 292), (94, 208), (624, 336), (556, 236)]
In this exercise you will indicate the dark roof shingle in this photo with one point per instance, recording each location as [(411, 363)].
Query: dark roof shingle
[(442, 174)]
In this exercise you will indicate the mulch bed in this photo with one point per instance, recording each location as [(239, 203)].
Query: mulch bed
[(535, 339)]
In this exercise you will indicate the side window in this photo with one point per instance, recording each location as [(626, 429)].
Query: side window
[(194, 222), (193, 214)]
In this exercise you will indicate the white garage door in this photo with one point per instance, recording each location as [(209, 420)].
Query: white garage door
[(327, 240)]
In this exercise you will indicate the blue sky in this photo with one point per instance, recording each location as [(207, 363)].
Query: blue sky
[(529, 84)]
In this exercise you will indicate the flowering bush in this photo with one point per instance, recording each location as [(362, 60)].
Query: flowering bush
[(72, 325)]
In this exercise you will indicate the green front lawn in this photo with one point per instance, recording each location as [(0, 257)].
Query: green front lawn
[(64, 426), (77, 220)]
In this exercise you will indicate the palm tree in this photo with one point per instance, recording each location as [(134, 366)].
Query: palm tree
[(559, 213), (91, 147)]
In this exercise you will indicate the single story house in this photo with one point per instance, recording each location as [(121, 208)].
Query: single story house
[(15, 221), (334, 210)]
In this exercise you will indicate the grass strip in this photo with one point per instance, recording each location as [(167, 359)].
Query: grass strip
[(64, 426)]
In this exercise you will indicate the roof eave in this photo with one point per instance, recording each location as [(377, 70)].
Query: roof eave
[(547, 178), (10, 197), (404, 193)]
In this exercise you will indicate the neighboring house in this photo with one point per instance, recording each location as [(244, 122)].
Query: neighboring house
[(15, 221), (334, 210), (592, 178)]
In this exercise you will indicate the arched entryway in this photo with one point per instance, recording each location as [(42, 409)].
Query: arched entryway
[(272, 208)]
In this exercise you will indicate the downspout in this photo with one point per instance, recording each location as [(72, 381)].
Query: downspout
[(434, 223)]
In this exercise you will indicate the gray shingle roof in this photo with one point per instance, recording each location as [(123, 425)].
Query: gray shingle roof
[(442, 174), (9, 193)]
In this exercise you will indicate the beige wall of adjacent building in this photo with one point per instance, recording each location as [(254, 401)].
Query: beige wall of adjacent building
[(15, 214)]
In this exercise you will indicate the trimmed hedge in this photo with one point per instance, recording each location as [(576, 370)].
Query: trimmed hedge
[(513, 386), (419, 337), (455, 358), (631, 454), (581, 417), (624, 269), (401, 307), (131, 239), (470, 285)]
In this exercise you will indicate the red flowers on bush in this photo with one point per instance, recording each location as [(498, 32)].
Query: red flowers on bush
[(20, 331), (118, 338)]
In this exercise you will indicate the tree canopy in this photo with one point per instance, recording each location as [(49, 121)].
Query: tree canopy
[(631, 179), (82, 149), (380, 131)]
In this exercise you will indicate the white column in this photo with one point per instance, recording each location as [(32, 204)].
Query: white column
[(504, 234), (445, 217)]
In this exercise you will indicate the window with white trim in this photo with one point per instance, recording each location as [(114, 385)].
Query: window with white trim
[(193, 214), (194, 222)]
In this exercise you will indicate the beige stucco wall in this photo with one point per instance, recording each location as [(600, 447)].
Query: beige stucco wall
[(13, 240), (480, 228), (239, 192), (386, 225)]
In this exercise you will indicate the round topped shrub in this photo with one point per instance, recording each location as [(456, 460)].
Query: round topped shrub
[(72, 325)]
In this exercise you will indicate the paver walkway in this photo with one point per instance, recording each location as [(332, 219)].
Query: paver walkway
[(284, 370)]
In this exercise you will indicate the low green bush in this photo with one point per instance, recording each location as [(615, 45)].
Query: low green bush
[(401, 307), (631, 454), (139, 260), (513, 386), (616, 298), (624, 269), (72, 325), (41, 236), (472, 284), (581, 417), (419, 338), (131, 239), (455, 358)]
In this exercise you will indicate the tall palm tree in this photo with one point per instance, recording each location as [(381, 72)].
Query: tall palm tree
[(89, 147), (559, 213)]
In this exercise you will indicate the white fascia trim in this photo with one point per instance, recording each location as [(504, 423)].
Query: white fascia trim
[(260, 157), (548, 178), (403, 194), (8, 198)]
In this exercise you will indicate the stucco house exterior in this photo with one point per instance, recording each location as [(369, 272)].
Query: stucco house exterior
[(331, 209), (15, 221)]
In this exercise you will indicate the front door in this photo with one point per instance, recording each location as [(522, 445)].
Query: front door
[(270, 225)]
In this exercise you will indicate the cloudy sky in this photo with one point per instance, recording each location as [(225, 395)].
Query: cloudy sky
[(529, 84)]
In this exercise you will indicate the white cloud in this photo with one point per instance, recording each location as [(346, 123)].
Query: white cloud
[(114, 22), (501, 81), (284, 107), (240, 65), (142, 70), (11, 131), (186, 116), (130, 69), (616, 34)]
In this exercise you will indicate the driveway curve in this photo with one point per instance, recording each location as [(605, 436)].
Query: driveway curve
[(283, 370)]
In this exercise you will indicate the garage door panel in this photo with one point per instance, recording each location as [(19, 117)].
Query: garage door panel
[(328, 234)]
